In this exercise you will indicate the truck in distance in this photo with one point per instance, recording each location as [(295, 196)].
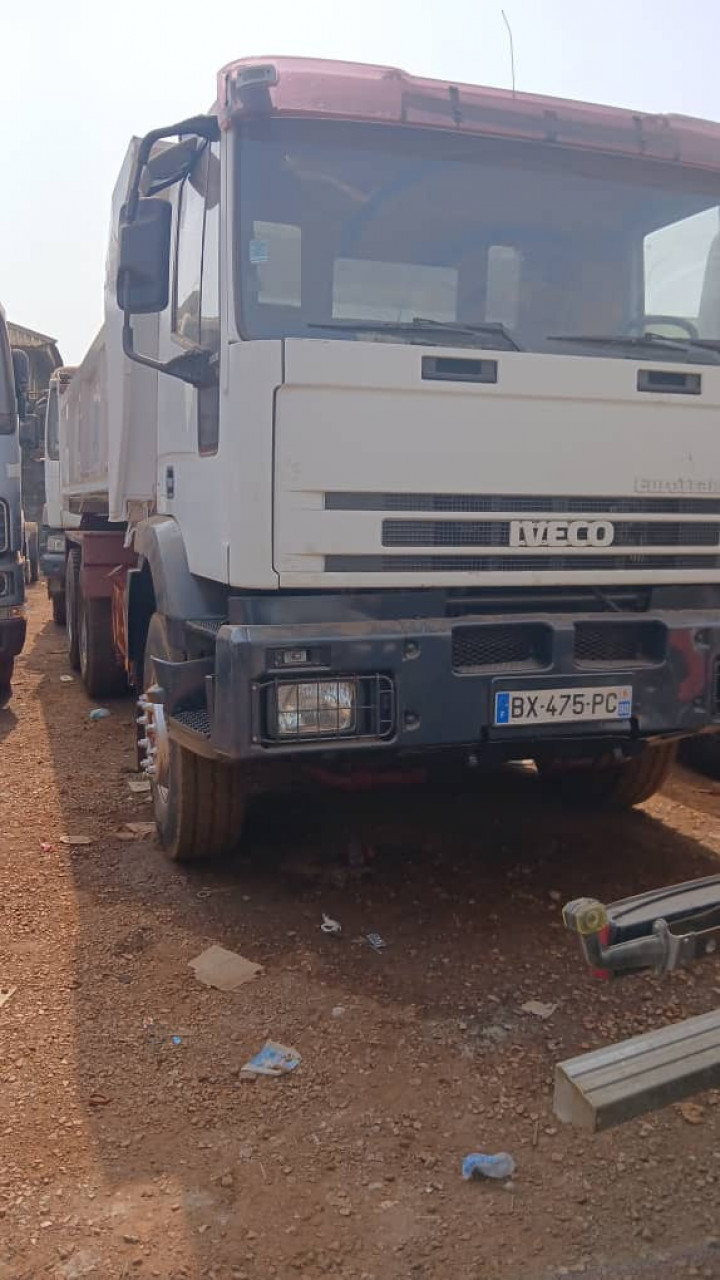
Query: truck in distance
[(400, 439), (52, 531), (14, 377)]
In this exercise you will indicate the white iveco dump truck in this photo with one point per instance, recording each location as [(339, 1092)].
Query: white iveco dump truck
[(401, 436)]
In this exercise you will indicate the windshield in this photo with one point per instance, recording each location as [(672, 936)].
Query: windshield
[(349, 222), (52, 439), (7, 384)]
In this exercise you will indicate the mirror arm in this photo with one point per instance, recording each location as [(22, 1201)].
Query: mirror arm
[(198, 367), (204, 126)]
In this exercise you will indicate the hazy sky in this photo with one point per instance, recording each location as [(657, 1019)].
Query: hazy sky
[(78, 79)]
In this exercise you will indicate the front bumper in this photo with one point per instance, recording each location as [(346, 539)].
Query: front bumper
[(429, 684), (13, 624)]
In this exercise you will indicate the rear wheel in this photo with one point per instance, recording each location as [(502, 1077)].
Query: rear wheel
[(612, 784), (101, 672), (72, 588), (199, 803)]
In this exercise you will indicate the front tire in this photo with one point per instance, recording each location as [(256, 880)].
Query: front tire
[(7, 667), (34, 555), (199, 803), (611, 784), (702, 753)]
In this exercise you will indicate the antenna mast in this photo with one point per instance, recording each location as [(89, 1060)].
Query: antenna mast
[(512, 48)]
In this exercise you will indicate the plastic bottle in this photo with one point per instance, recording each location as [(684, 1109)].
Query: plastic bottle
[(478, 1165)]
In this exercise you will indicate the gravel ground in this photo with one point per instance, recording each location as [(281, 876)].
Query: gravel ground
[(124, 1153)]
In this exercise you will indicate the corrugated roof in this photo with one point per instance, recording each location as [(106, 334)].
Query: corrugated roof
[(22, 336)]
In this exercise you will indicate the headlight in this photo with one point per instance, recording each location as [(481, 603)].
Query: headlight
[(316, 708), (55, 543)]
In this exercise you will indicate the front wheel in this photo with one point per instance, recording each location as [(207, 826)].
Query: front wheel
[(702, 753), (34, 555), (199, 803), (610, 784), (7, 667)]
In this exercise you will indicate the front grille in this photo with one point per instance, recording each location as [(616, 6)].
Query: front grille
[(599, 644), (197, 721), (211, 625), (496, 533), (4, 527), (519, 647), (523, 504), (514, 564), (5, 583)]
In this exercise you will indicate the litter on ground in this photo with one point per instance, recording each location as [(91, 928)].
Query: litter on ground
[(479, 1165), (75, 840), (538, 1009), (5, 994), (135, 831), (375, 941), (272, 1060), (138, 785), (223, 969)]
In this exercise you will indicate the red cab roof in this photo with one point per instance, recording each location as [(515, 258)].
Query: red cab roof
[(386, 95)]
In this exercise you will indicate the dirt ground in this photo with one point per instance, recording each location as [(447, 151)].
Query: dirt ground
[(124, 1152)]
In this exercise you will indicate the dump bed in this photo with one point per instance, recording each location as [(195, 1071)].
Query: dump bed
[(84, 435), (108, 420)]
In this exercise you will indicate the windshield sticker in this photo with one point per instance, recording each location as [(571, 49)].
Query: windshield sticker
[(258, 252)]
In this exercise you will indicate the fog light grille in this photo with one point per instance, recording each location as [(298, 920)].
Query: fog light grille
[(328, 709)]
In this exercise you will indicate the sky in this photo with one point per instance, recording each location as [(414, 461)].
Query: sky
[(77, 80)]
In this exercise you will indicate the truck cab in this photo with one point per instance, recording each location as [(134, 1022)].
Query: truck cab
[(411, 439), (13, 389)]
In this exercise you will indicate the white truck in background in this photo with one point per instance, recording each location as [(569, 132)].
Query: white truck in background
[(14, 377), (401, 440), (54, 520)]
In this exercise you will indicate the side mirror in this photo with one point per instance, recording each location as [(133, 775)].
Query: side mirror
[(21, 374), (143, 279)]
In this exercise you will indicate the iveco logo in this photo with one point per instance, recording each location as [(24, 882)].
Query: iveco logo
[(561, 533)]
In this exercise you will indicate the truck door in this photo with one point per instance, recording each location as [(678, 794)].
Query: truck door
[(188, 418)]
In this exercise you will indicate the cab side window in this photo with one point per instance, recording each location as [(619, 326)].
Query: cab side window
[(196, 300)]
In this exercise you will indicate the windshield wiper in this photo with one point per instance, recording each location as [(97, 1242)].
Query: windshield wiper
[(420, 325), (638, 340)]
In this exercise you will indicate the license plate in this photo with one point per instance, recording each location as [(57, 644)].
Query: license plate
[(559, 706)]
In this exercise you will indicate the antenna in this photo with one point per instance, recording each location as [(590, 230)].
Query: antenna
[(512, 48)]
